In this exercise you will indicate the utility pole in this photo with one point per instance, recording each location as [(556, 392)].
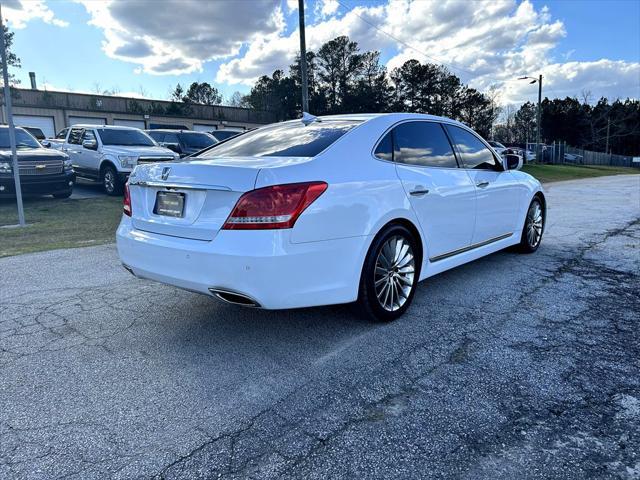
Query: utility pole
[(303, 59), (12, 128), (539, 113), (538, 149)]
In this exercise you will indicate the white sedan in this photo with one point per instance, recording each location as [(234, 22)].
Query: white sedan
[(328, 210)]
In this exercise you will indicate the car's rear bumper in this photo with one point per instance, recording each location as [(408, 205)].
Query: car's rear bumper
[(38, 184), (263, 265)]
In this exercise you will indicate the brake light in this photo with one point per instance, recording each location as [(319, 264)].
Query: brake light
[(126, 203), (278, 206)]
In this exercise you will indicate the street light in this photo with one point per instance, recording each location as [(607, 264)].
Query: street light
[(539, 112)]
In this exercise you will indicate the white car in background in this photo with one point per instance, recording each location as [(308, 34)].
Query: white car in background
[(497, 146), (108, 154), (328, 210)]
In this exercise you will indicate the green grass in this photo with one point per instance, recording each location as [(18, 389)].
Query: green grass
[(556, 173), (53, 224)]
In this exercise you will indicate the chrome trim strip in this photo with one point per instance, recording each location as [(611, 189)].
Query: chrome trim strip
[(470, 247), (192, 186)]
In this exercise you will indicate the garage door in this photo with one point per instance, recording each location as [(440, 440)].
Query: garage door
[(129, 123), (43, 123), (200, 127), (87, 121)]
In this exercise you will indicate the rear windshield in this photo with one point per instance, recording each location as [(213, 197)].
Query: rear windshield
[(196, 139), (23, 139), (289, 139), (224, 134), (113, 136)]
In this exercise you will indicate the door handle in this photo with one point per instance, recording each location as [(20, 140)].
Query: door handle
[(419, 192), (482, 184)]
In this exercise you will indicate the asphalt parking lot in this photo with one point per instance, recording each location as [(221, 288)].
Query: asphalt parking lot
[(515, 366)]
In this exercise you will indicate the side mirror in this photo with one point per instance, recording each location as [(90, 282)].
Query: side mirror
[(512, 161), (45, 143), (172, 146), (90, 144)]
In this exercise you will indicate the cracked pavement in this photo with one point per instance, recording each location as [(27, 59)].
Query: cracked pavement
[(514, 366)]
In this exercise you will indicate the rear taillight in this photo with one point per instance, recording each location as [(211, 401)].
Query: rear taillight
[(126, 203), (278, 206)]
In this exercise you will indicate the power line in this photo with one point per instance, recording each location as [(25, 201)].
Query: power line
[(351, 10)]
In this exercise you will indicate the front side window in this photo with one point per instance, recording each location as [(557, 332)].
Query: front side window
[(62, 134), (88, 135), (424, 144), (126, 137), (473, 151), (384, 150), (288, 139), (24, 140)]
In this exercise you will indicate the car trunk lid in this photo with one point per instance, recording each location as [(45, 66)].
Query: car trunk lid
[(208, 190)]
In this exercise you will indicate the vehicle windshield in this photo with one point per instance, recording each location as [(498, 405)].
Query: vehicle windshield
[(289, 139), (126, 137), (197, 140), (496, 144), (23, 140)]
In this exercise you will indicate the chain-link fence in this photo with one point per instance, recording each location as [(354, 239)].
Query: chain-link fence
[(561, 153)]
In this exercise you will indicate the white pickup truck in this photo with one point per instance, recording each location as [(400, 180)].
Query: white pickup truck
[(108, 154)]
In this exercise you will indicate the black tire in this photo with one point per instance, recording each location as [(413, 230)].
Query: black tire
[(66, 194), (533, 228), (111, 181), (369, 303)]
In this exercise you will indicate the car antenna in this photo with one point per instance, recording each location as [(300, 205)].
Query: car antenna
[(307, 118)]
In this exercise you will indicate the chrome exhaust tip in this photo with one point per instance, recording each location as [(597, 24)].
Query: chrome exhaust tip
[(234, 298)]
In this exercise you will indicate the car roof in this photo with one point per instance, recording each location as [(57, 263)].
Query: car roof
[(172, 130), (391, 117), (109, 127)]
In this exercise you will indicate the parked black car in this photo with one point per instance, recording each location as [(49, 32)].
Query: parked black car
[(183, 142), (43, 171), (221, 135)]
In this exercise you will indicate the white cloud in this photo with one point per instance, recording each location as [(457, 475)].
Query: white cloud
[(608, 78), (178, 36), (279, 49), (18, 13), (484, 42)]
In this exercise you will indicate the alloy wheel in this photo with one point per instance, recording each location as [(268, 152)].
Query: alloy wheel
[(109, 181), (534, 224), (394, 273)]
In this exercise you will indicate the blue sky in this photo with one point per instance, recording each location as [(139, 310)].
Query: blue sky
[(140, 47)]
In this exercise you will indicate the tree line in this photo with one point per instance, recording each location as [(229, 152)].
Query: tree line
[(615, 125), (344, 79)]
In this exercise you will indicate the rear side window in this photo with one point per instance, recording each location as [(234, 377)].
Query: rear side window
[(289, 139), (75, 135), (384, 150), (171, 138), (424, 144), (197, 139), (473, 151)]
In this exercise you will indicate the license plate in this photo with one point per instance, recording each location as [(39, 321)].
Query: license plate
[(170, 204)]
